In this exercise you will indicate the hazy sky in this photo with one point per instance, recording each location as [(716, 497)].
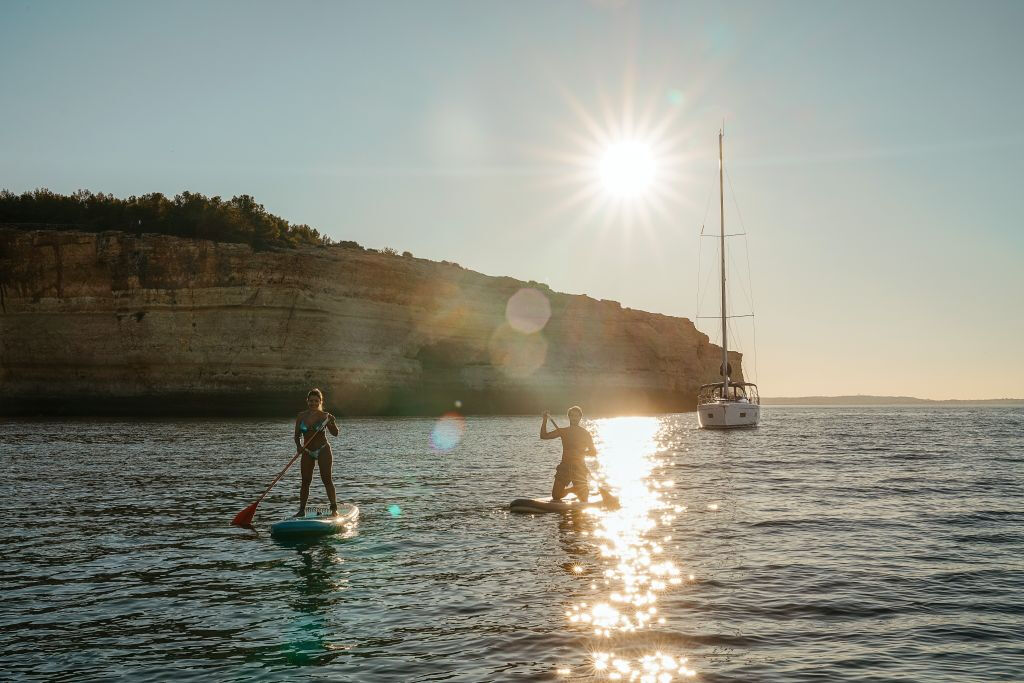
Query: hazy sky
[(876, 151)]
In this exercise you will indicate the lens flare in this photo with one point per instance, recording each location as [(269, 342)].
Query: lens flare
[(528, 311), (516, 354), (447, 432)]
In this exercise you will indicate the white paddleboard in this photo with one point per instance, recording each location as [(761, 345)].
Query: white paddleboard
[(316, 522)]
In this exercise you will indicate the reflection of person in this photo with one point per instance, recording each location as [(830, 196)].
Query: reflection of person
[(576, 445), (311, 439)]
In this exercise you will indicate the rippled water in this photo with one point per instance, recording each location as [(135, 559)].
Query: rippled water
[(828, 544)]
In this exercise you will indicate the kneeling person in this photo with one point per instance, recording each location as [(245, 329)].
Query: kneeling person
[(576, 445)]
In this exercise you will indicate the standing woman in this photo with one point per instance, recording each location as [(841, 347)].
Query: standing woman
[(311, 439)]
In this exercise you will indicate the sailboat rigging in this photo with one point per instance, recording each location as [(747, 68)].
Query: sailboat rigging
[(726, 404)]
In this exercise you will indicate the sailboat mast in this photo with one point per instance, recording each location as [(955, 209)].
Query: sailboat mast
[(721, 206)]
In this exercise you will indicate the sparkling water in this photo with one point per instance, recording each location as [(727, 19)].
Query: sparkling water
[(880, 543)]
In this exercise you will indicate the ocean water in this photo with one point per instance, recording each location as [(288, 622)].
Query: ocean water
[(882, 543)]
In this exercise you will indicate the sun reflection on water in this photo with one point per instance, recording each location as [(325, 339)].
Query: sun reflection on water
[(635, 568)]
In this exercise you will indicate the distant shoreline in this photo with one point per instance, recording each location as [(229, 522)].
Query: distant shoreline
[(864, 400)]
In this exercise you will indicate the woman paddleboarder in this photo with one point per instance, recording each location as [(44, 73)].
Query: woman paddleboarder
[(311, 441)]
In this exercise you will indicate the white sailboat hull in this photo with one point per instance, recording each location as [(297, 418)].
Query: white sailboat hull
[(728, 414)]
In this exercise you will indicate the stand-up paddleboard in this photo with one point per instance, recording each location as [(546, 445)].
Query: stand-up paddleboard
[(316, 522), (548, 505)]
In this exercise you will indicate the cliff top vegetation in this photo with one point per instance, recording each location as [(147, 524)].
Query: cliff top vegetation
[(240, 219)]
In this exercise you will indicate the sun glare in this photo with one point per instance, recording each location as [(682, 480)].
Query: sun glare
[(633, 569), (624, 162), (627, 168)]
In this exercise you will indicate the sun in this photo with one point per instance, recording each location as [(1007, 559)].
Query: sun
[(623, 165), (627, 168)]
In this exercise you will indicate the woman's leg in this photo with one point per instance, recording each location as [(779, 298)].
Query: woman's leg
[(326, 460), (307, 464)]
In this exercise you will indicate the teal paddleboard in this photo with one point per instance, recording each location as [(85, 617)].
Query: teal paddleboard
[(316, 522)]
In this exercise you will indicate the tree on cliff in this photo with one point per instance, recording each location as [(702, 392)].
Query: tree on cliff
[(240, 219)]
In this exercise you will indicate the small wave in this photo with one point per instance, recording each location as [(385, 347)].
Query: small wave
[(997, 538), (974, 517), (783, 523)]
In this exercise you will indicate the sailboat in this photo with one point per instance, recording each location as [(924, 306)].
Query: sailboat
[(726, 404)]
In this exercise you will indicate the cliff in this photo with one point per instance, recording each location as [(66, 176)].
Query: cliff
[(109, 323)]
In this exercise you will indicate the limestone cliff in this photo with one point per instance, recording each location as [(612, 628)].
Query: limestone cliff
[(94, 323)]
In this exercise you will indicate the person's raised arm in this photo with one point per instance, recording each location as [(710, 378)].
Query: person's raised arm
[(544, 433), (332, 425)]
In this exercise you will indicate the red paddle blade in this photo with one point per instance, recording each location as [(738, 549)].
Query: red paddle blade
[(244, 518)]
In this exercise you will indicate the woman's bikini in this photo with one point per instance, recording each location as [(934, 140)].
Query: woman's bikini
[(313, 453)]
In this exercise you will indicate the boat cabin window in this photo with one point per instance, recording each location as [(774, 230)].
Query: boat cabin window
[(733, 393), (742, 394)]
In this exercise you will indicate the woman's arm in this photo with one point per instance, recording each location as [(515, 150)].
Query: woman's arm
[(332, 426), (298, 435)]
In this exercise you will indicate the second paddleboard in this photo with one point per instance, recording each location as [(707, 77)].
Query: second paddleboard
[(548, 505)]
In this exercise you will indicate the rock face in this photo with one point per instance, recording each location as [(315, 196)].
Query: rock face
[(95, 323)]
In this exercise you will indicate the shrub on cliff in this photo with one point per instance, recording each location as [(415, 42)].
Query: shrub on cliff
[(240, 219)]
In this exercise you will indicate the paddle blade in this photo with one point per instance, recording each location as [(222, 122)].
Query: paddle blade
[(610, 501), (244, 518)]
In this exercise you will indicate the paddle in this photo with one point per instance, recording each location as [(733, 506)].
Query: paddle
[(606, 494), (244, 518)]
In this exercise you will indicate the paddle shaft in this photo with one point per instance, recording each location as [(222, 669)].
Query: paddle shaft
[(294, 458), (278, 477)]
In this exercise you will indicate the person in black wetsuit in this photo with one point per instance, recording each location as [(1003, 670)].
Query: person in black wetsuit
[(311, 439), (576, 445)]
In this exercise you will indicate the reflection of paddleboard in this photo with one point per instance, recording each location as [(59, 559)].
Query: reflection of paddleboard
[(547, 505), (316, 522)]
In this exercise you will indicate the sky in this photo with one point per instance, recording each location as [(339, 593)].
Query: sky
[(874, 154)]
